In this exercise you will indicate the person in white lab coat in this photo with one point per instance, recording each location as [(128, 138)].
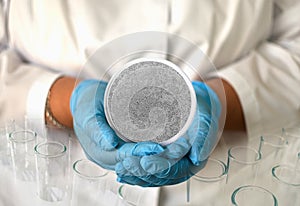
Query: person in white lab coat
[(255, 46)]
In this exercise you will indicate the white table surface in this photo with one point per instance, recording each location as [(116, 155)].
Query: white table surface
[(14, 192), (17, 193)]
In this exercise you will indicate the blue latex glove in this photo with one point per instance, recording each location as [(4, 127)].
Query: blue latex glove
[(99, 142), (183, 158)]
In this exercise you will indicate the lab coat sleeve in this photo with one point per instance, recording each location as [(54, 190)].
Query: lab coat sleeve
[(267, 80), (24, 87)]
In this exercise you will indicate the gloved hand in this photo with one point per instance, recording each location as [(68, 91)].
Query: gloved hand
[(99, 142), (183, 158)]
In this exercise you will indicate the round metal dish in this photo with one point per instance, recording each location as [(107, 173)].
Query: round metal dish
[(150, 100)]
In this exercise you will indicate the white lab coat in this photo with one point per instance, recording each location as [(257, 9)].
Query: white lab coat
[(255, 45)]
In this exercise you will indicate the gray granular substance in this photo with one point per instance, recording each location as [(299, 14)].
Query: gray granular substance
[(148, 101), (155, 107)]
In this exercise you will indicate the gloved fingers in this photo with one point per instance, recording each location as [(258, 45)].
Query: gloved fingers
[(152, 164), (181, 169), (166, 178), (124, 176), (140, 178), (132, 166), (130, 170), (176, 150), (138, 149), (155, 159), (147, 148)]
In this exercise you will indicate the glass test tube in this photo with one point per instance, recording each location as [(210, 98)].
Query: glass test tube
[(292, 135), (130, 199), (243, 163), (89, 183), (286, 184), (272, 148), (188, 190), (22, 153), (133, 195), (250, 195), (5, 128), (64, 136), (52, 171), (208, 183)]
